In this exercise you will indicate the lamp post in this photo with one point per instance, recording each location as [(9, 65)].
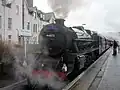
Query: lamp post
[(22, 14), (24, 38), (4, 3)]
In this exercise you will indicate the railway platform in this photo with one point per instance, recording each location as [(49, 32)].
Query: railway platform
[(103, 75), (111, 77)]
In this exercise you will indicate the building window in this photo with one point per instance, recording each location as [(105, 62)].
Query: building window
[(41, 16), (17, 9), (35, 28), (0, 22), (19, 40), (35, 40), (8, 5), (9, 23), (35, 15), (28, 26), (9, 38), (3, 2)]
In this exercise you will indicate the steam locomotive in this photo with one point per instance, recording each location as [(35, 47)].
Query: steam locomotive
[(70, 49)]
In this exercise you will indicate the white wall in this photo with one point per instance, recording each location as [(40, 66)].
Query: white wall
[(52, 20), (40, 23), (33, 20), (16, 20)]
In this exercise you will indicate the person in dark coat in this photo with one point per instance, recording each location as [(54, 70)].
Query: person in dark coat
[(115, 45)]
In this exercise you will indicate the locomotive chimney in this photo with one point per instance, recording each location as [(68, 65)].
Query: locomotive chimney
[(60, 21)]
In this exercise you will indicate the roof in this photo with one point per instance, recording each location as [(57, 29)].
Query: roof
[(48, 16), (32, 9), (79, 27)]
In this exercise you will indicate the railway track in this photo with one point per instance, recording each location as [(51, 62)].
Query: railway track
[(15, 85), (82, 80)]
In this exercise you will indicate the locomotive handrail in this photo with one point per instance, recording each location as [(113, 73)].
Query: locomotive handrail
[(90, 50), (85, 40), (85, 52)]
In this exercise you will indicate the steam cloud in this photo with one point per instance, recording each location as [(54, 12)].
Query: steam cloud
[(62, 8), (21, 71), (35, 61)]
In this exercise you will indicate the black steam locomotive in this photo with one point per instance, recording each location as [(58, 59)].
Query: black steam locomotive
[(72, 45), (70, 49)]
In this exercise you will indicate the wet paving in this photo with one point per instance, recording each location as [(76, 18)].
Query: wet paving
[(85, 81), (111, 78)]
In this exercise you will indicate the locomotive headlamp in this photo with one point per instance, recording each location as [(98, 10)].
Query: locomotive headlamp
[(24, 63), (42, 65), (64, 68), (80, 56)]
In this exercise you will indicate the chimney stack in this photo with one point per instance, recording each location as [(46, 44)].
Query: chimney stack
[(60, 21), (30, 3)]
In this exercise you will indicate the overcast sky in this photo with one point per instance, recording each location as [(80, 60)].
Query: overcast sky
[(98, 15)]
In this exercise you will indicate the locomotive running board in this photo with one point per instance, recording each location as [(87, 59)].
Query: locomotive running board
[(84, 80)]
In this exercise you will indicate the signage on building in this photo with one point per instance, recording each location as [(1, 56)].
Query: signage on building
[(25, 32)]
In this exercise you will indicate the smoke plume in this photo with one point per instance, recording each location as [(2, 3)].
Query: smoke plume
[(37, 61), (34, 62), (62, 8)]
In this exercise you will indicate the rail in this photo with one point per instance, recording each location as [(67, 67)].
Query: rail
[(12, 86)]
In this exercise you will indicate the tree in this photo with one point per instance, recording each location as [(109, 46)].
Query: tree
[(6, 56)]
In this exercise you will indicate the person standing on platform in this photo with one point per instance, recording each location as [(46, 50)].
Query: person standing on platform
[(115, 45), (118, 47)]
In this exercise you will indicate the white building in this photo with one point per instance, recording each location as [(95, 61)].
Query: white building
[(10, 20), (49, 17), (14, 20), (38, 20)]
